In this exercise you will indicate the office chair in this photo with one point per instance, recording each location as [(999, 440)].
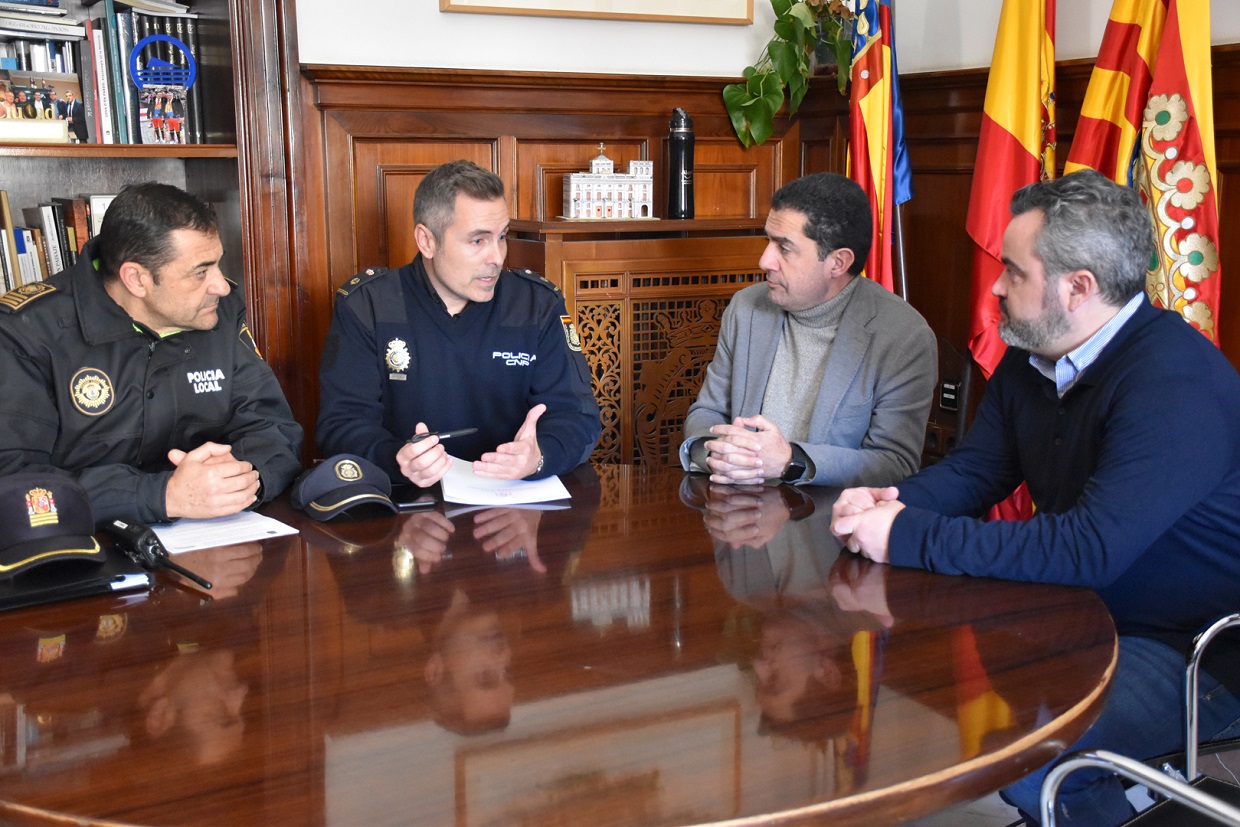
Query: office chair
[(1202, 800)]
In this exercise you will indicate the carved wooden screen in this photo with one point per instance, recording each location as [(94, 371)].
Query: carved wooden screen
[(648, 337)]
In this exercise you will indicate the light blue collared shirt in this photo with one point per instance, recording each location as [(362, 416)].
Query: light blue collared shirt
[(1068, 368)]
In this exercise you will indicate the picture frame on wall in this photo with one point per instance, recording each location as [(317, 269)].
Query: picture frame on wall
[(735, 12)]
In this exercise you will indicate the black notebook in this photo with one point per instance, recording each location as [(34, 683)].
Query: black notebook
[(67, 579)]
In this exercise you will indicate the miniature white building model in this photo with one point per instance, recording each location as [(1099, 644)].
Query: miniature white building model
[(604, 193)]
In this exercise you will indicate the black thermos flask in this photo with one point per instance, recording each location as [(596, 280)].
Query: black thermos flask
[(680, 166)]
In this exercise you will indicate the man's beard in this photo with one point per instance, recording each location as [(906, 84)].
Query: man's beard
[(1037, 334)]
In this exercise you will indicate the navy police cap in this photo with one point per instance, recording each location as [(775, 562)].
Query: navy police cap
[(340, 483), (44, 518)]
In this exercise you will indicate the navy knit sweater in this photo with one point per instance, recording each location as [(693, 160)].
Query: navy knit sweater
[(1135, 474)]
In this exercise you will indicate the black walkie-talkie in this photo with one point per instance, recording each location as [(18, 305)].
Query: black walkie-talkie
[(142, 545)]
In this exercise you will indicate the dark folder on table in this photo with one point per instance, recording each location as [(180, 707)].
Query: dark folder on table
[(68, 579)]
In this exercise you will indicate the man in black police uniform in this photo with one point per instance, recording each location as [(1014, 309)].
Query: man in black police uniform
[(135, 373), (454, 341)]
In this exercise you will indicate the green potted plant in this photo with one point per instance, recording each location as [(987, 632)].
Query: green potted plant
[(806, 32)]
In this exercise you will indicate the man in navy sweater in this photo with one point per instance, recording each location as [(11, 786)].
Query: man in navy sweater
[(452, 341), (1123, 420)]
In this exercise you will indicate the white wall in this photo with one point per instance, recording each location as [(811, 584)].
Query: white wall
[(931, 35)]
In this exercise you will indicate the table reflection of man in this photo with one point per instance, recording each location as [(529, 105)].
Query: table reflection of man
[(153, 686), (195, 702), (447, 590), (768, 539), (469, 669)]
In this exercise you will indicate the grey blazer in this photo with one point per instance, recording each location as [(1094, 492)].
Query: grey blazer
[(869, 421)]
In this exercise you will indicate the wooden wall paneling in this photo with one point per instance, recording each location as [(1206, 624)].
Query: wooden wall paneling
[(260, 69), (387, 175), (312, 252), (730, 181), (648, 312)]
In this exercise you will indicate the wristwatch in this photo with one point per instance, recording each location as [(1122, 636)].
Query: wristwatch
[(538, 468), (794, 471)]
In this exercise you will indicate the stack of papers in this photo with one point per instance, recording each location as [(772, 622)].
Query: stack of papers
[(462, 485)]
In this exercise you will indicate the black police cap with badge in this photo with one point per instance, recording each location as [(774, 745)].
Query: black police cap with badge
[(44, 518), (341, 483)]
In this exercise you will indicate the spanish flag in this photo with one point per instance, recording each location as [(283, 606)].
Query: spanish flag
[(1016, 147), (1147, 121), (877, 155)]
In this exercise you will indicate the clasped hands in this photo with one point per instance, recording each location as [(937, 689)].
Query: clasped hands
[(747, 452), (209, 482), (425, 462), (861, 518)]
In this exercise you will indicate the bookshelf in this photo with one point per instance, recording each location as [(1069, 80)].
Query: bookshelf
[(248, 57)]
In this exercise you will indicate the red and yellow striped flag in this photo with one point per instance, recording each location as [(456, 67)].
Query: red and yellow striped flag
[(1016, 147), (1148, 121)]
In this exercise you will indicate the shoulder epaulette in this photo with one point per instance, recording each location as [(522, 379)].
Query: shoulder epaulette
[(369, 274), (16, 299), (538, 278)]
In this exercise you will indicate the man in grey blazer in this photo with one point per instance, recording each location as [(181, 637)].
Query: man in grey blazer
[(820, 376)]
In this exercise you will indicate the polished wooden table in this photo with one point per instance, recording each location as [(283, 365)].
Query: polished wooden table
[(659, 653)]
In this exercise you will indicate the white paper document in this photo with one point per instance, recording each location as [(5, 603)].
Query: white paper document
[(246, 527), (462, 485)]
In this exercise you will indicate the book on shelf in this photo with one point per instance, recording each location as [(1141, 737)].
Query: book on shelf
[(105, 12), (33, 8), (40, 24), (104, 111), (9, 240), (36, 249), (127, 92), (10, 273), (43, 218), (7, 282), (156, 6), (97, 204), (185, 29), (23, 258), (68, 253), (52, 6), (29, 253), (90, 95), (76, 215)]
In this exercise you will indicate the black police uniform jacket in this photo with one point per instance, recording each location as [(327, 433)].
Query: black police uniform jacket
[(394, 357), (85, 392)]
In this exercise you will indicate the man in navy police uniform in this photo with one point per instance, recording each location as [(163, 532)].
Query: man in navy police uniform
[(453, 341)]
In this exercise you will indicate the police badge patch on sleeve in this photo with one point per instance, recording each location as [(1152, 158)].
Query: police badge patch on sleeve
[(247, 339), (570, 333)]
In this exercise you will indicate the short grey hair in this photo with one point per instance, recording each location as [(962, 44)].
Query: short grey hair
[(1091, 223), (434, 203)]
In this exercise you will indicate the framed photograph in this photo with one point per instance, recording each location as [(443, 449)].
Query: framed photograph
[(736, 12)]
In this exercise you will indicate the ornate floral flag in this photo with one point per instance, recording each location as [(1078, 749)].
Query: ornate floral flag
[(1148, 122), (877, 155), (1016, 147)]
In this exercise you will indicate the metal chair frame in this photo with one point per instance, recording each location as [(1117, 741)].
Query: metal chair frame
[(1174, 789)]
